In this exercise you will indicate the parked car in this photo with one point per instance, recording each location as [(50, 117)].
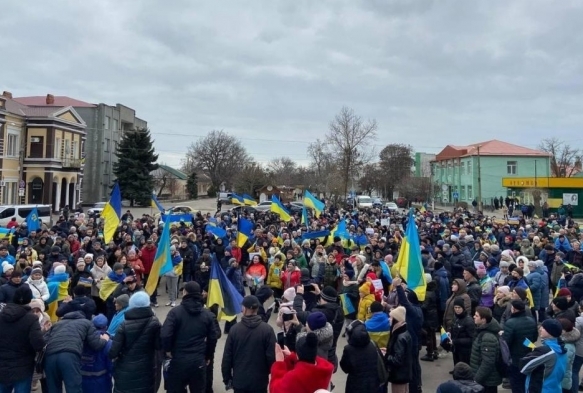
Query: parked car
[(177, 210), (392, 206), (242, 209), (377, 203), (363, 201), (96, 210), (263, 206), (225, 197)]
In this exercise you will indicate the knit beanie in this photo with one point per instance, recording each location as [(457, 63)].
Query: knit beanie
[(459, 301), (564, 292), (329, 294), (289, 294), (398, 314), (521, 292), (100, 321), (553, 327), (60, 269), (518, 305), (462, 371), (561, 302), (307, 348), (123, 300), (22, 295), (6, 267), (139, 299), (316, 320)]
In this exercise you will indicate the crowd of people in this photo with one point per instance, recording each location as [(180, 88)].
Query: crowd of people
[(501, 295)]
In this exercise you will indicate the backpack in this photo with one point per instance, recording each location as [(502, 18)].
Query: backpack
[(503, 358)]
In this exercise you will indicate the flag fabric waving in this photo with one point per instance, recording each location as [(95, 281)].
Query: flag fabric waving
[(222, 293), (237, 199), (58, 285), (162, 260), (347, 306), (305, 220), (529, 344), (314, 203), (217, 232), (244, 231), (156, 204), (409, 265), (112, 214), (443, 335), (7, 233), (249, 200), (277, 207), (32, 221)]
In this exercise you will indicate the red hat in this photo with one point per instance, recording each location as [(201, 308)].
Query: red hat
[(564, 292), (372, 276)]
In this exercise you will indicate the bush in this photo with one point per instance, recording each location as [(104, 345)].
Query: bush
[(211, 192)]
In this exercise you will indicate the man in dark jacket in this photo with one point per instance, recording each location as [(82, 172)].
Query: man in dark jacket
[(473, 287), (516, 329), (249, 351), (485, 350), (65, 343), (21, 338), (189, 338), (187, 260), (80, 302), (414, 325), (8, 290), (458, 261), (327, 305)]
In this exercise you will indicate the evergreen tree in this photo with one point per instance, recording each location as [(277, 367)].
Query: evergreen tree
[(136, 161), (192, 186)]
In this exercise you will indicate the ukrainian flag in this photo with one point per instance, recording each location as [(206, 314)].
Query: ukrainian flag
[(107, 287), (222, 293), (32, 221), (244, 231), (347, 306), (112, 214), (155, 204), (314, 203), (218, 232), (443, 335), (58, 285), (7, 233), (529, 344), (249, 200), (162, 260), (237, 199), (315, 234), (277, 207), (409, 265), (305, 220)]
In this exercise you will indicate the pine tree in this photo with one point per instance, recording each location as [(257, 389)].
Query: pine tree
[(136, 161), (192, 186)]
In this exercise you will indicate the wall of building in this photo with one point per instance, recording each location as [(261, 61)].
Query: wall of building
[(13, 140)]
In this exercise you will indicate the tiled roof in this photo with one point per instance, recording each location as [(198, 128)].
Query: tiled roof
[(174, 172), (15, 107), (60, 101), (493, 147)]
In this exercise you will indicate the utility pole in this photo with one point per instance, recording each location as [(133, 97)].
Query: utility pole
[(480, 205)]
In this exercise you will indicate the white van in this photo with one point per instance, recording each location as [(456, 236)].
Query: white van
[(363, 201), (22, 211)]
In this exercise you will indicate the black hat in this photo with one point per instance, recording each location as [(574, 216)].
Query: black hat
[(337, 239), (518, 305), (56, 249), (471, 270), (437, 265), (22, 295), (251, 302), (521, 292), (79, 290), (307, 348), (561, 302), (553, 327), (305, 276), (263, 293), (376, 307), (192, 288), (329, 294), (459, 301)]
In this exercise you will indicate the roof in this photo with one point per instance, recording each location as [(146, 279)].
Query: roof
[(60, 101), (17, 108), (493, 147), (174, 172)]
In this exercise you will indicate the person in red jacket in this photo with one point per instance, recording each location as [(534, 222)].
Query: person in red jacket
[(147, 255), (236, 252), (302, 371), (291, 276)]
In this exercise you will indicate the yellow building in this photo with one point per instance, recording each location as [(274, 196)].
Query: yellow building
[(41, 154)]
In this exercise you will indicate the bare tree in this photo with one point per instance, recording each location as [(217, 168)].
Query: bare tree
[(415, 188), (348, 136), (322, 164), (371, 179), (219, 155), (395, 162), (251, 177), (283, 171), (565, 160)]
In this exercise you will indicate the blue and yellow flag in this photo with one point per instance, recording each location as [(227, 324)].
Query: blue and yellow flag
[(222, 293), (443, 335), (162, 260), (217, 232), (237, 199), (32, 221), (409, 265), (277, 207), (156, 204), (314, 203), (112, 214), (7, 233), (58, 285), (305, 219), (347, 306), (249, 200), (529, 344), (244, 231)]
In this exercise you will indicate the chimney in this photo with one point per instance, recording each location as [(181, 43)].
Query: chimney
[(7, 94), (50, 99)]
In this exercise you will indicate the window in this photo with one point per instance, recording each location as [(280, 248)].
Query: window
[(511, 167), (106, 143), (470, 194), (463, 168), (57, 151), (115, 126), (7, 213), (107, 122), (470, 168), (75, 152), (463, 193), (12, 145)]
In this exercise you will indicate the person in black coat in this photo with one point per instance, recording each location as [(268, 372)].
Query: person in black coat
[(80, 302), (462, 333), (8, 290), (430, 319), (189, 339), (134, 348), (400, 352), (359, 360), (21, 338)]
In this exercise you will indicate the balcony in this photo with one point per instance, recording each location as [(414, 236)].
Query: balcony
[(71, 163)]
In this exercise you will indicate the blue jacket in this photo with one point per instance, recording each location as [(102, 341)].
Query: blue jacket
[(116, 321), (379, 322), (414, 317), (545, 367), (8, 258), (96, 369), (236, 277), (534, 280), (544, 294), (443, 288), (563, 246)]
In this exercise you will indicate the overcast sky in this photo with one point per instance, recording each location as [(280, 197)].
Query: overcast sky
[(274, 73)]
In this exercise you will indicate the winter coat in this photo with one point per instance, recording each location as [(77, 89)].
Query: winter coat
[(576, 286), (235, 276), (39, 289), (71, 333), (294, 376), (499, 308), (458, 263), (487, 298), (189, 332), (359, 362), (21, 338), (449, 315), (462, 333), (545, 373), (485, 350), (399, 355), (534, 281), (99, 274), (508, 313), (274, 275), (544, 293), (430, 307), (81, 303), (569, 339), (379, 329), (7, 291), (516, 329), (443, 288), (256, 274), (465, 386), (96, 369), (134, 350), (364, 304), (249, 351), (293, 277), (579, 344), (474, 292)]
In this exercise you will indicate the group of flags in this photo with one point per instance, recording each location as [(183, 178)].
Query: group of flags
[(243, 200)]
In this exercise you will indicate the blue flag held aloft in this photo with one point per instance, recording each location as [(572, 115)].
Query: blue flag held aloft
[(32, 220)]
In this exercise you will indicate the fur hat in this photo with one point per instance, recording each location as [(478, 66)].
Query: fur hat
[(399, 314)]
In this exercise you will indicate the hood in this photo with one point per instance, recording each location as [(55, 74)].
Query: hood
[(463, 372), (251, 321), (325, 334), (571, 337), (13, 312), (192, 304), (432, 286), (35, 282), (555, 345), (462, 287), (359, 337), (493, 327), (379, 322)]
